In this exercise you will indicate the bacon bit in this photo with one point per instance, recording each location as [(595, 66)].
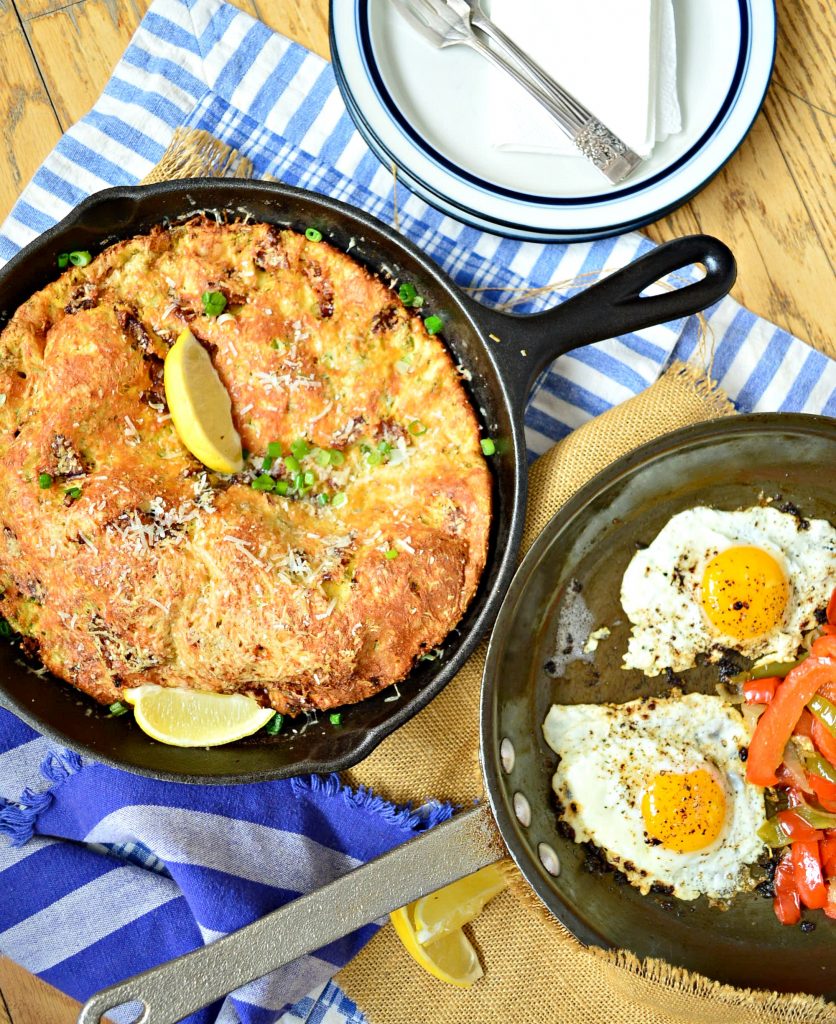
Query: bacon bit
[(385, 319), (131, 325), (85, 296)]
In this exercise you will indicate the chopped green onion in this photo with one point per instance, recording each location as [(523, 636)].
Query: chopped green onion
[(214, 303), (337, 458), (264, 482), (313, 235), (309, 478), (391, 553), (409, 296), (267, 462), (433, 655), (339, 499), (80, 258), (820, 766), (488, 446), (322, 499), (278, 344), (44, 481), (118, 708), (291, 464), (274, 449), (63, 260), (274, 726), (373, 458), (335, 718), (416, 428), (384, 447), (825, 711), (5, 628), (433, 324), (282, 487), (73, 492), (300, 448), (322, 457)]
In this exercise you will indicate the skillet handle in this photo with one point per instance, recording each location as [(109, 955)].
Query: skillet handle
[(612, 307), (172, 991)]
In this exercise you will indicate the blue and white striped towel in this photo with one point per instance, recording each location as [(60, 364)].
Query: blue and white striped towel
[(156, 869)]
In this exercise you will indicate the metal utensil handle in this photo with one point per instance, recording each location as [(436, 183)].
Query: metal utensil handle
[(172, 991), (603, 147)]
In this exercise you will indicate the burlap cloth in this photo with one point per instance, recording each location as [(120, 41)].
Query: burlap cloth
[(535, 971)]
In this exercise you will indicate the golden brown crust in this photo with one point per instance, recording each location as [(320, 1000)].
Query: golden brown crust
[(162, 572)]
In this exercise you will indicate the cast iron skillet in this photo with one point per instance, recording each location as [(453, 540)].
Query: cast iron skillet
[(502, 370), (726, 463)]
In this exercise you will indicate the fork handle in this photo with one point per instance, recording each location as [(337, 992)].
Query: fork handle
[(598, 144)]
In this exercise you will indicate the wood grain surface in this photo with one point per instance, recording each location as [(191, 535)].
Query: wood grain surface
[(773, 203)]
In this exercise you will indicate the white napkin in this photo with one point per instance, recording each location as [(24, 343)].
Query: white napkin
[(618, 57)]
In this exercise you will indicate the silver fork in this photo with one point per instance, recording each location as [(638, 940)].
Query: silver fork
[(452, 22)]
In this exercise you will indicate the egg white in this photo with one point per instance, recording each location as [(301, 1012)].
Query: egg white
[(610, 753), (660, 591)]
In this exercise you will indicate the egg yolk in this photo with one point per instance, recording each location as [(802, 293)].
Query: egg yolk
[(744, 592), (684, 811)]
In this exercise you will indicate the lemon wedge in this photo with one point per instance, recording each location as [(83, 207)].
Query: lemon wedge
[(194, 718), (451, 958), (200, 408), (455, 905)]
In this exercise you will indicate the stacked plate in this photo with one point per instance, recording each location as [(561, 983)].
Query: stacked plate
[(426, 110)]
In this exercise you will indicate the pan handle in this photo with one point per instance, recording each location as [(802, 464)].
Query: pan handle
[(172, 991), (611, 307)]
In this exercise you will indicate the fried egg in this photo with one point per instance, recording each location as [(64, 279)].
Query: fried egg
[(750, 581), (658, 785)]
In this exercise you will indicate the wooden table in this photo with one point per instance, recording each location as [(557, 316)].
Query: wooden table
[(773, 203)]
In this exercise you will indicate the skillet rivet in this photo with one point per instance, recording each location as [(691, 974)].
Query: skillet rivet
[(507, 755), (549, 859), (522, 809)]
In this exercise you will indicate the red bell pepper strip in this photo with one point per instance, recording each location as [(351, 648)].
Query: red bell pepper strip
[(787, 902), (798, 830), (760, 691), (828, 854), (830, 907), (824, 740), (824, 647), (825, 791), (775, 726), (806, 862), (804, 726)]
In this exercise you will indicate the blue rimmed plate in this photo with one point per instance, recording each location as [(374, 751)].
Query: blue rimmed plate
[(426, 110)]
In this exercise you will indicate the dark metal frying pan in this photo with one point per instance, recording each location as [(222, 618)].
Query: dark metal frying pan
[(727, 463), (502, 375)]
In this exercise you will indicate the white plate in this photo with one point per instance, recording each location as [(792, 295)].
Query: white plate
[(427, 111)]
